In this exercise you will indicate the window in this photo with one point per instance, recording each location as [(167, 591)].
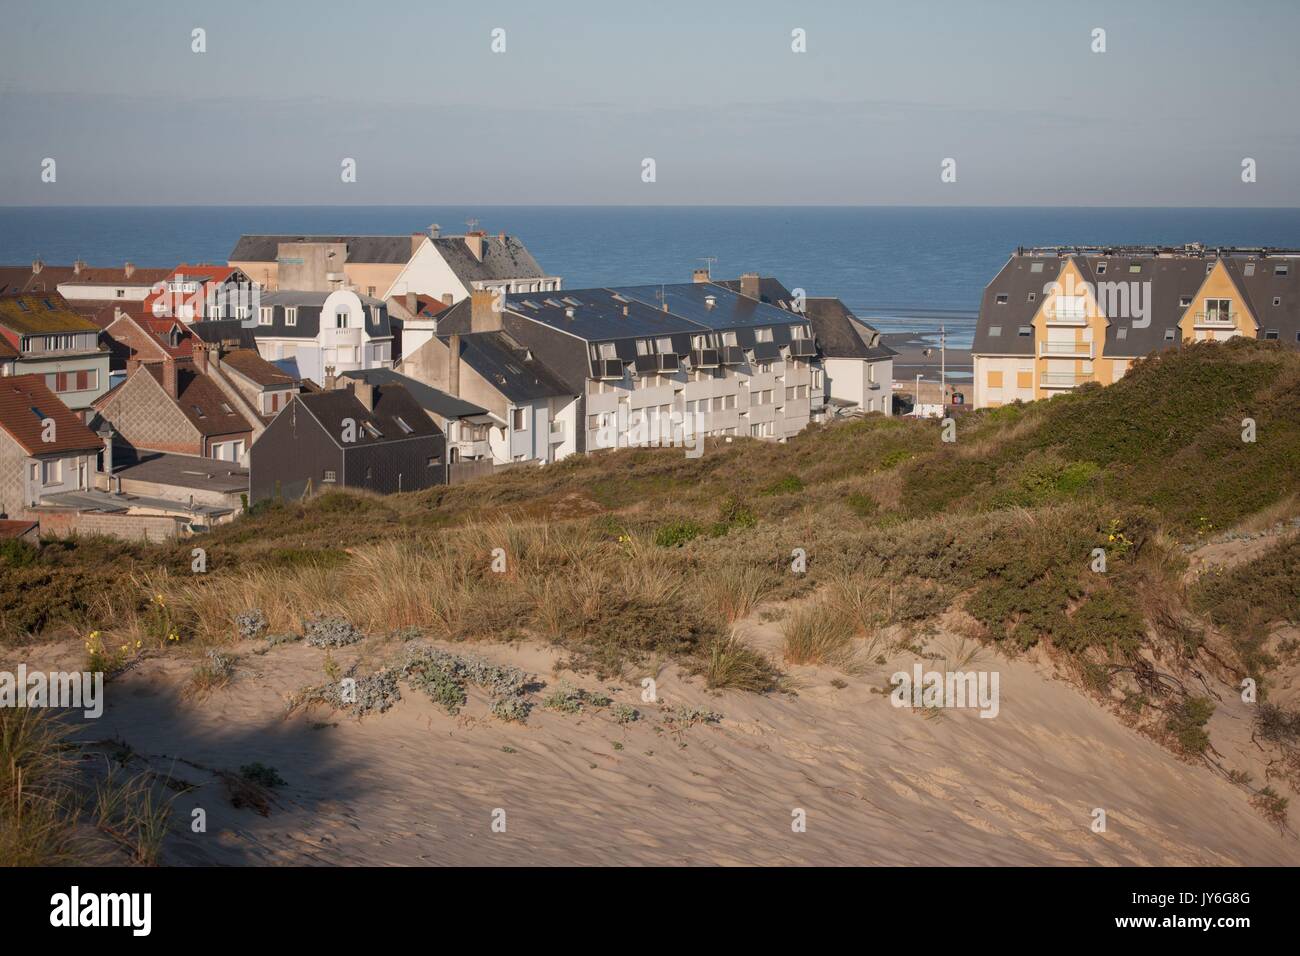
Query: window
[(1184, 301), (1001, 298), (1270, 334), (1134, 267), (329, 476), (121, 293), (1121, 333), (1033, 296), (1024, 379), (1024, 331), (606, 351), (52, 472), (1036, 267), (1169, 335), (798, 332), (1250, 268), (291, 315), (340, 320), (665, 345), (1277, 300), (1281, 270), (434, 462), (198, 411), (1218, 310), (994, 379), (1101, 268), (995, 331), (518, 421), (643, 347), (401, 423), (265, 315), (225, 407), (762, 335)]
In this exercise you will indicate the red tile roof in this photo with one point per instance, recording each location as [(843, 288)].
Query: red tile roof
[(25, 403)]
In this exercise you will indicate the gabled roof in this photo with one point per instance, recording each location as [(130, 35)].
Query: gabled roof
[(214, 331), (40, 314), (32, 279), (506, 366), (841, 334), (394, 250), (201, 400), (396, 416), (205, 276), (430, 399), (251, 365), (159, 332), (25, 402), (504, 257), (770, 290), (7, 351)]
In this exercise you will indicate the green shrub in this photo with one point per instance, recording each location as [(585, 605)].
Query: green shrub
[(677, 533), (1187, 720)]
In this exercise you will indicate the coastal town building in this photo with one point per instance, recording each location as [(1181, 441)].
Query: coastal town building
[(1055, 318), (205, 292), (465, 426), (644, 364), (351, 434), (45, 447), (49, 339), (89, 287), (305, 332)]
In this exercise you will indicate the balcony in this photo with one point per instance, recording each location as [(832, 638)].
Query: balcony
[(803, 348), (557, 432), (1074, 350), (1055, 380), (608, 369), (704, 358), (731, 355), (669, 362), (1215, 320)]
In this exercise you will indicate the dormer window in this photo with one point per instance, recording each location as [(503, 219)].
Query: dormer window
[(1032, 296), (265, 315), (1101, 268), (291, 315), (762, 335), (1184, 301), (1135, 267), (1036, 267), (1001, 299), (1277, 300), (1250, 268), (1281, 270)]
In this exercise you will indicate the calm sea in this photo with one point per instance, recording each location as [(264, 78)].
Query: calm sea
[(904, 268)]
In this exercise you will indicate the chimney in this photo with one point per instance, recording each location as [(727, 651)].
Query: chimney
[(412, 304), (129, 269), (749, 285), (482, 316), (365, 393), (701, 275), (200, 353), (416, 239), (453, 365), (131, 365), (710, 301), (77, 266), (434, 230), (169, 377), (474, 242), (106, 433), (330, 381), (447, 298), (37, 266)]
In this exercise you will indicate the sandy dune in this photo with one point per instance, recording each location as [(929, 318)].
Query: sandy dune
[(880, 785)]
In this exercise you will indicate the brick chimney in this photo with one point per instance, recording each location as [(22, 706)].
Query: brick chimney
[(474, 242), (482, 317), (749, 285), (448, 299), (200, 352), (330, 382), (365, 393), (129, 269), (169, 377), (453, 365), (412, 303), (416, 239), (701, 275)]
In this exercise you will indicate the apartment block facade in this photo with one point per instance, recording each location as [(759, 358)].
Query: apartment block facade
[(1056, 318)]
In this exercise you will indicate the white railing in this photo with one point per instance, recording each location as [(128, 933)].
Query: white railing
[(1060, 380), (1071, 349), (1217, 319)]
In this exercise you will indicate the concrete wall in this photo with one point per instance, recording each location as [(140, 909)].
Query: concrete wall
[(128, 527)]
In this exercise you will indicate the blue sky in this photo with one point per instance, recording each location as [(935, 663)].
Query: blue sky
[(710, 90)]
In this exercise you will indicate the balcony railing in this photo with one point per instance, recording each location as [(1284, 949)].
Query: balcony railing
[(1215, 320), (557, 431), (1061, 380), (1065, 350)]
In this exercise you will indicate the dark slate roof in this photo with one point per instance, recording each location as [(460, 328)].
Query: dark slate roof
[(841, 334), (506, 365), (392, 402), (23, 279), (730, 310), (309, 306), (770, 290), (393, 250), (996, 330), (1175, 276), (430, 399), (598, 316), (224, 330), (504, 257), (259, 371)]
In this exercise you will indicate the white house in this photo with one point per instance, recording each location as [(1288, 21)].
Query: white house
[(307, 331)]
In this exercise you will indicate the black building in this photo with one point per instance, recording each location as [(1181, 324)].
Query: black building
[(356, 436)]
